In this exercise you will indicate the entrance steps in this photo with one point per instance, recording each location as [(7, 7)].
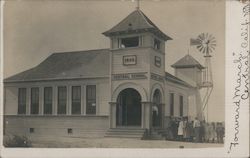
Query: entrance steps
[(135, 133)]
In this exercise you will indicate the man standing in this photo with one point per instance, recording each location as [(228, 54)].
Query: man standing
[(197, 126)]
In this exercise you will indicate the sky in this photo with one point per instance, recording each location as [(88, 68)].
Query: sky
[(35, 29)]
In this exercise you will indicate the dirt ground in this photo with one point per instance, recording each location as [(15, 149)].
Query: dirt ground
[(117, 143)]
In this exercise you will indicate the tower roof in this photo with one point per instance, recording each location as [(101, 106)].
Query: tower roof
[(136, 22), (187, 62)]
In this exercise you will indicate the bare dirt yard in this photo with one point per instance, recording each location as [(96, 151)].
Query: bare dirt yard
[(116, 143)]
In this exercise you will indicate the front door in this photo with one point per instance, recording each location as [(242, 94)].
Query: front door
[(128, 111)]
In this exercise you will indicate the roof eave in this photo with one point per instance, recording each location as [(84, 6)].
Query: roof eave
[(188, 66), (53, 79), (152, 30)]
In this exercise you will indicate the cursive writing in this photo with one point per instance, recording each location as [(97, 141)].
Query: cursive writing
[(241, 89)]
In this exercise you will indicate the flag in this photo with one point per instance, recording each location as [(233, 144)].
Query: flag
[(194, 42)]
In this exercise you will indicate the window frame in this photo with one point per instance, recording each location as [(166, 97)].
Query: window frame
[(121, 42), (157, 61), (181, 105), (171, 104), (89, 110), (48, 102), (22, 102), (64, 112), (78, 101), (34, 104)]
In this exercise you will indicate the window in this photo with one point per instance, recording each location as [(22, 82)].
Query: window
[(157, 61), (70, 131), (32, 130), (21, 101), (76, 100), (181, 105), (34, 101), (47, 100), (171, 104), (62, 100), (91, 99), (129, 42), (157, 44)]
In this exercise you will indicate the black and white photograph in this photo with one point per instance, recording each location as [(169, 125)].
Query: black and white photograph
[(146, 74)]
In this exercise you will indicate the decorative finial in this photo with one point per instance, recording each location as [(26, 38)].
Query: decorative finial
[(138, 4)]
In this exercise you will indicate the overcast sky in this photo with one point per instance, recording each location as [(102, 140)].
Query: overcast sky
[(35, 29)]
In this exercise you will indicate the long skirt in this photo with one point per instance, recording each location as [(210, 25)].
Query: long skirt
[(197, 134)]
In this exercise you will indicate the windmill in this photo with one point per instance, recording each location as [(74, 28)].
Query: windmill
[(205, 43)]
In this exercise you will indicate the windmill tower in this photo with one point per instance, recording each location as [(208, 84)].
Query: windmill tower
[(205, 43)]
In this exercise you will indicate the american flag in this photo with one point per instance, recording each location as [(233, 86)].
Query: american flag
[(194, 42)]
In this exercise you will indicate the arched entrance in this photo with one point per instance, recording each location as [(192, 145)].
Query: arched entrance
[(157, 109), (128, 108)]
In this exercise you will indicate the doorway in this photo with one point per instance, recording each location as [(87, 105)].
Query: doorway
[(128, 111), (157, 109)]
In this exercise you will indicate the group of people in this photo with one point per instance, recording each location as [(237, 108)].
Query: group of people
[(181, 129)]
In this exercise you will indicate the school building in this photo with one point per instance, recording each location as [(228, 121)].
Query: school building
[(105, 92)]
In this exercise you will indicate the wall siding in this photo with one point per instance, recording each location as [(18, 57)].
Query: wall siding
[(11, 100), (171, 88), (82, 126), (142, 64)]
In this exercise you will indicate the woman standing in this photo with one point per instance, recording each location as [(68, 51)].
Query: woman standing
[(180, 130), (185, 124)]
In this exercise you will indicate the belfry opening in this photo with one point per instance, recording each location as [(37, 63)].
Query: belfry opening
[(128, 111)]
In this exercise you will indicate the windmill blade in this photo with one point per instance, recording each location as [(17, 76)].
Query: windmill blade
[(210, 49), (203, 36), (213, 42), (200, 37), (213, 48), (210, 37), (200, 41), (199, 47), (203, 50), (213, 45), (207, 36)]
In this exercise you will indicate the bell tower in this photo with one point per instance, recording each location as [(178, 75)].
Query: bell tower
[(137, 49)]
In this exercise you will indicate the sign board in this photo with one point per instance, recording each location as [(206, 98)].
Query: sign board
[(129, 60), (129, 76)]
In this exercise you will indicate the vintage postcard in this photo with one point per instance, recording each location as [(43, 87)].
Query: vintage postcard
[(124, 78)]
